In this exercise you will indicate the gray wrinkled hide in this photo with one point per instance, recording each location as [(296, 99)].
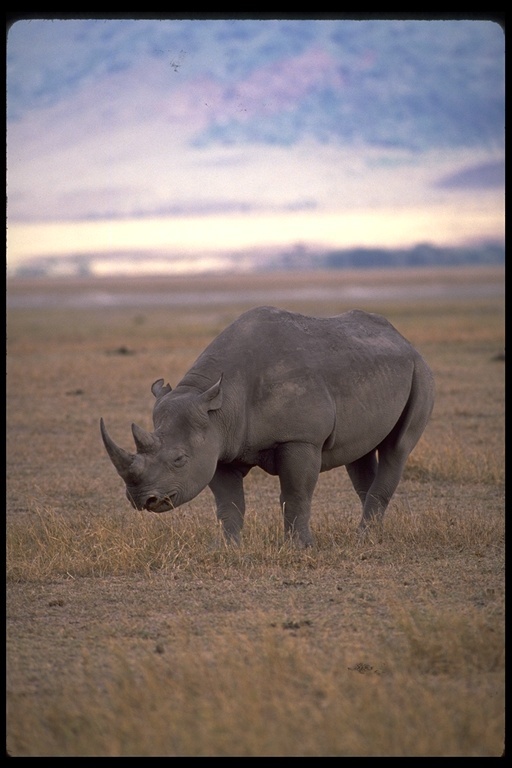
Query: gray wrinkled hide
[(293, 395)]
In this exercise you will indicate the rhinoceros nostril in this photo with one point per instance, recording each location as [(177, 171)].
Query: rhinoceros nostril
[(151, 502)]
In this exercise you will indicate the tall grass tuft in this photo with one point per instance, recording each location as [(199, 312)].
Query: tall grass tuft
[(49, 544)]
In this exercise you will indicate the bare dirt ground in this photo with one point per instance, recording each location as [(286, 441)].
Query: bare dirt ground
[(131, 634), (316, 287)]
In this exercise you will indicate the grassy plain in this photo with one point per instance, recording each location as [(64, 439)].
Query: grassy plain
[(137, 635)]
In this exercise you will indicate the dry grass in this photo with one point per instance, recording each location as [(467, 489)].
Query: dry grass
[(131, 634), (268, 690), (49, 544)]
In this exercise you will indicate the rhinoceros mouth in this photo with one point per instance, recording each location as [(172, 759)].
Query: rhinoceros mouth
[(154, 504)]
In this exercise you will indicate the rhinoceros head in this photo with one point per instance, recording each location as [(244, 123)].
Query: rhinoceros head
[(176, 461)]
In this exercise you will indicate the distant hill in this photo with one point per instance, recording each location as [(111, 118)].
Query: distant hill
[(297, 258), (421, 255)]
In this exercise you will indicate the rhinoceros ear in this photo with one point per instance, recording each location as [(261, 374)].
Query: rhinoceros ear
[(144, 441), (212, 398), (159, 390), (120, 458)]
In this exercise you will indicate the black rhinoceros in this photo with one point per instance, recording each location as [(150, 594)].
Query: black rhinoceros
[(291, 394)]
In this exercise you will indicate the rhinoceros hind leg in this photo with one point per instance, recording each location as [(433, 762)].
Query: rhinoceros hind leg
[(362, 474), (394, 450)]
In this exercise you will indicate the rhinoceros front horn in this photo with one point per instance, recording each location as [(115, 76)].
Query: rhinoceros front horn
[(120, 458)]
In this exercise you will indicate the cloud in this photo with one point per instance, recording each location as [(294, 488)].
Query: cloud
[(277, 86), (49, 59), (488, 175), (117, 120)]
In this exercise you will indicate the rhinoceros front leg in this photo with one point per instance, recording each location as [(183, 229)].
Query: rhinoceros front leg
[(298, 466), (228, 489)]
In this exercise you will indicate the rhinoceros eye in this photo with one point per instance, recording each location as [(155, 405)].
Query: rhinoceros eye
[(180, 460)]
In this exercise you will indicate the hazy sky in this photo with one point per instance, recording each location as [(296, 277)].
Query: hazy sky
[(161, 135)]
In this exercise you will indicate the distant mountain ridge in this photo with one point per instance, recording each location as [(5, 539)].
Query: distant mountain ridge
[(264, 260)]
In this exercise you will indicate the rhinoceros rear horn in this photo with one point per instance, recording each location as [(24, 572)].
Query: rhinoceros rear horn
[(120, 458), (144, 441)]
